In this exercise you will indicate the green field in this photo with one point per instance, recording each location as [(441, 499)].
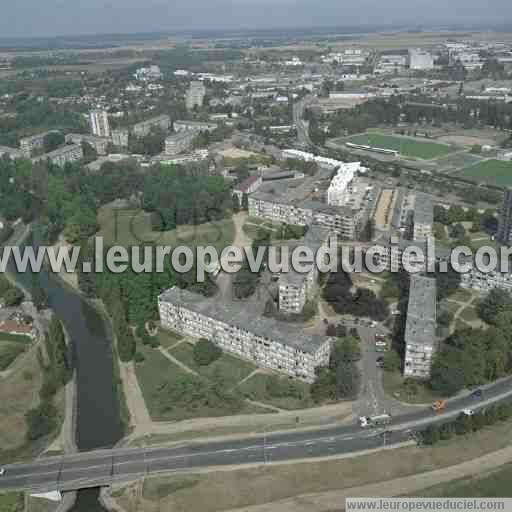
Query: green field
[(232, 369), (492, 172), (133, 227), (406, 146), (12, 502), (277, 391), (171, 394), (494, 485), (11, 346)]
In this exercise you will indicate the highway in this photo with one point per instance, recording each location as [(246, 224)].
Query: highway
[(104, 467)]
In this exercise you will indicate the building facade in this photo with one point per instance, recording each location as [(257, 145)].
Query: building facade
[(266, 342), (420, 329), (195, 95), (66, 154), (183, 126), (100, 144), (505, 219), (34, 143), (99, 123), (144, 128), (120, 138), (179, 142)]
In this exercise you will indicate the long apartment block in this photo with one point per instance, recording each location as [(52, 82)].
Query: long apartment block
[(420, 329), (345, 222), (266, 342)]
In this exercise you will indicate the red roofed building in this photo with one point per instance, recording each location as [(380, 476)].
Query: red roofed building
[(13, 327), (248, 186)]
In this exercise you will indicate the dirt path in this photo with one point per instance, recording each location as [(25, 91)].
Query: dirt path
[(245, 379), (456, 316), (335, 500), (184, 367), (240, 241)]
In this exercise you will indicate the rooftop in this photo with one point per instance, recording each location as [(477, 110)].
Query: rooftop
[(421, 311), (235, 314), (423, 209)]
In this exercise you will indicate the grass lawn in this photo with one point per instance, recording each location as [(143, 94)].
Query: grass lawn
[(493, 485), (448, 305), (414, 393), (277, 391), (15, 338), (12, 502), (168, 338), (232, 369), (461, 295), (9, 351), (406, 146), (469, 314), (132, 227), (171, 394), (492, 172)]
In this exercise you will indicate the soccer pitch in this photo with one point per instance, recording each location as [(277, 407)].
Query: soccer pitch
[(492, 172), (406, 147)]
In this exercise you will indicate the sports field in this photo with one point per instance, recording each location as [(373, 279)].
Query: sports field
[(406, 146), (492, 172)]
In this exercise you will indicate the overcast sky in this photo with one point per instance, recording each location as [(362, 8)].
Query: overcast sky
[(30, 18)]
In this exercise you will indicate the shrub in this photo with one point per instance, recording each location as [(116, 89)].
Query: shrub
[(206, 352)]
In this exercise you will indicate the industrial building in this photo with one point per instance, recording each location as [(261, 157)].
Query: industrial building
[(420, 329), (266, 342), (98, 121)]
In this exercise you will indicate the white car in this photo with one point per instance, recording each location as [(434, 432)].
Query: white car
[(468, 412), (2, 471), (363, 421)]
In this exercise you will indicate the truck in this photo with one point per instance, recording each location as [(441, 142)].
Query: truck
[(375, 421), (439, 405)]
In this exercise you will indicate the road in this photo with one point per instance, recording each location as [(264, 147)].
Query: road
[(301, 125), (104, 467)]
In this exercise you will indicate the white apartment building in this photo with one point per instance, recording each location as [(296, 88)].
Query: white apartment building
[(100, 144), (195, 95), (423, 216), (199, 126), (62, 156), (98, 121), (33, 143), (296, 289), (179, 142), (144, 128), (120, 138), (266, 342), (338, 190), (420, 60), (12, 153), (420, 329)]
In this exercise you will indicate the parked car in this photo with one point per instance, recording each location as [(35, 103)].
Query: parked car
[(477, 393)]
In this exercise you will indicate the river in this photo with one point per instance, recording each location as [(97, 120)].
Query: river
[(99, 422)]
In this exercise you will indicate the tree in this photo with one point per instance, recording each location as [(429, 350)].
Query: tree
[(236, 203), (447, 376), (41, 421), (52, 141), (13, 297), (206, 352), (392, 361), (496, 302)]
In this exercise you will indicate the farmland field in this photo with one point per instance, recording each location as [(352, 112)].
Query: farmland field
[(406, 146), (492, 172)]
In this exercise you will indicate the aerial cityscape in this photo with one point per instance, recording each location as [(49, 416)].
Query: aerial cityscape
[(199, 361)]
